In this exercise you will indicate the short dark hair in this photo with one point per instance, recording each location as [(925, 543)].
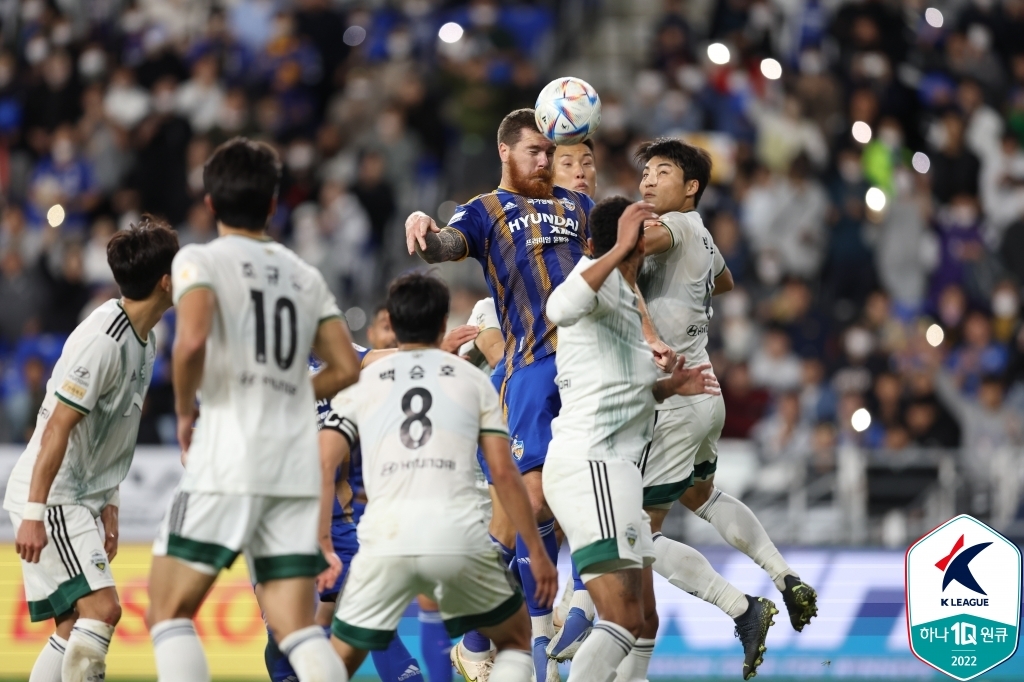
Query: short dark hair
[(604, 223), (242, 178), (694, 161), (512, 126), (141, 255), (417, 305)]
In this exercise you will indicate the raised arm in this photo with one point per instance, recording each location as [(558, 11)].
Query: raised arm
[(432, 243)]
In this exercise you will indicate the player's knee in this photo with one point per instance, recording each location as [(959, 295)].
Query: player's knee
[(695, 497), (107, 611)]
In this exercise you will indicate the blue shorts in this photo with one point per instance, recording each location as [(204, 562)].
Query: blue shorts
[(531, 402), (346, 544)]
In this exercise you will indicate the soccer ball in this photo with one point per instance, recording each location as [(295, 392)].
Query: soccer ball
[(568, 110)]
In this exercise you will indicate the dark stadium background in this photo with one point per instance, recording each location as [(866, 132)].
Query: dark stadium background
[(869, 202)]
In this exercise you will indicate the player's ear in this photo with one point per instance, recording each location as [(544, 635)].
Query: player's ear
[(691, 187), (590, 244), (503, 152), (165, 284), (208, 202)]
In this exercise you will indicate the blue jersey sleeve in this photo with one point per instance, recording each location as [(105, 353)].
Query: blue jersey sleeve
[(471, 222)]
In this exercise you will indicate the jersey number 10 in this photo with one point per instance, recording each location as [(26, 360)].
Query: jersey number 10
[(283, 307)]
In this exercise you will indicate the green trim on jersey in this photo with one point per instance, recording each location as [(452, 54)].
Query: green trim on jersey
[(459, 626), (362, 638), (61, 600), (288, 566), (328, 318), (132, 326), (73, 405), (217, 556), (191, 287), (493, 432), (702, 471), (596, 553), (666, 492), (724, 268)]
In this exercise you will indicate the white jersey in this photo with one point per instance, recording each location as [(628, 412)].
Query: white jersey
[(484, 316), (420, 415), (606, 371), (103, 372), (256, 433), (677, 287)]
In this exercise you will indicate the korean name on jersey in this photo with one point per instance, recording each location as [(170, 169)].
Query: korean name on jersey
[(420, 415), (256, 434), (677, 285), (103, 372)]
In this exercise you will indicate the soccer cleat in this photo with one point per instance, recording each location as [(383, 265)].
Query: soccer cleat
[(543, 665), (752, 630), (801, 602), (473, 671), (568, 640)]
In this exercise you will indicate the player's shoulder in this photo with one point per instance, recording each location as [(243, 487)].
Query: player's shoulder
[(108, 324), (686, 224)]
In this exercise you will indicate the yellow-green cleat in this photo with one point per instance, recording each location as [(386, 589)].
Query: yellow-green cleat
[(752, 630), (801, 601)]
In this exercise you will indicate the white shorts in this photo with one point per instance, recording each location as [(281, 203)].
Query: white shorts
[(684, 449), (278, 535), (472, 591), (599, 505), (72, 564)]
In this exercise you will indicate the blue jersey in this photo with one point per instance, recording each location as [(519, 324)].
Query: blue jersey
[(527, 247), (355, 468)]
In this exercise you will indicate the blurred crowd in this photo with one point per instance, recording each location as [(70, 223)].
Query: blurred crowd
[(869, 202)]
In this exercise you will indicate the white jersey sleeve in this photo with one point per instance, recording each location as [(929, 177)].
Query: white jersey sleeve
[(343, 415), (573, 299), (189, 271), (91, 371)]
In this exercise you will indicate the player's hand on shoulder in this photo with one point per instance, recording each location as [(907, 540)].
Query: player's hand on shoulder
[(695, 380), (329, 575), (416, 227), (664, 356), (30, 540), (631, 222), (453, 340)]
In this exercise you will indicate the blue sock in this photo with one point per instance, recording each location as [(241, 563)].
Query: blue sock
[(434, 646), (396, 664), (577, 581), (278, 667), (547, 533), (475, 642)]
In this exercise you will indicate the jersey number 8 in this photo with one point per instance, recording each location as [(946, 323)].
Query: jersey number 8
[(284, 305), (418, 417)]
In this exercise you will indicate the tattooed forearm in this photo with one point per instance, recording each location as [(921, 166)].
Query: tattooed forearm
[(446, 245)]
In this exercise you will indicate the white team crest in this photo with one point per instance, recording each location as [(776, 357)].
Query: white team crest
[(518, 447), (567, 204), (99, 560)]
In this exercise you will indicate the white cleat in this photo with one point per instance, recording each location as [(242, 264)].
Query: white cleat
[(472, 671), (553, 675)]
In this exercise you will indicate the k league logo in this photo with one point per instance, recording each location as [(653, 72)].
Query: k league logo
[(963, 583)]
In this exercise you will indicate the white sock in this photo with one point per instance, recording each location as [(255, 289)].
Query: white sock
[(562, 610), (543, 626), (740, 528), (312, 656), (179, 654), (85, 658), (49, 661), (512, 665), (601, 653), (634, 666), (687, 569), (581, 600)]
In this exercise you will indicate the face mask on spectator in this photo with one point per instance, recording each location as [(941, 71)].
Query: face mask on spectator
[(1005, 303), (92, 63), (63, 150)]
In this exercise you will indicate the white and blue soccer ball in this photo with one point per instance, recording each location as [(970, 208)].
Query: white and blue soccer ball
[(568, 110)]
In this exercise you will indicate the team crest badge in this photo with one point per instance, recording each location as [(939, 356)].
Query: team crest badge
[(99, 560), (631, 535), (963, 598), (517, 447), (567, 204)]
